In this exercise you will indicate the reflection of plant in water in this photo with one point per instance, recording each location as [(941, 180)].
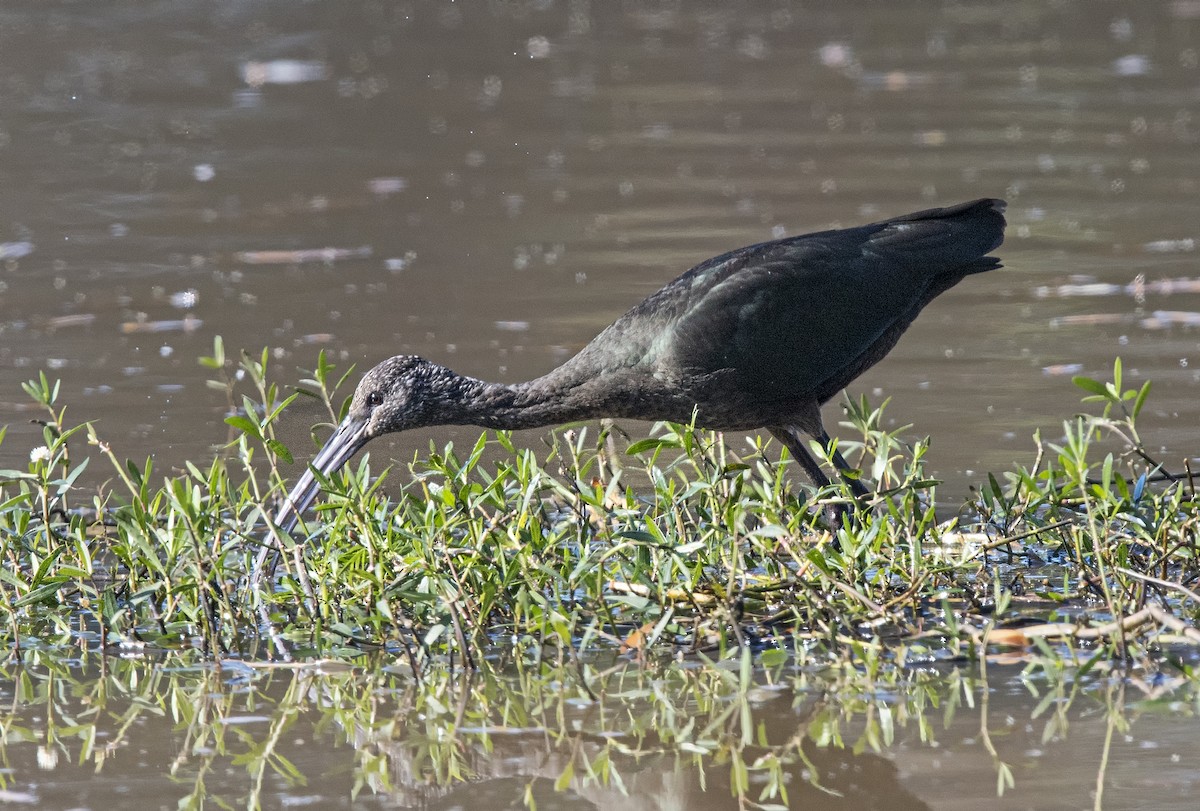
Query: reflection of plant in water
[(766, 731)]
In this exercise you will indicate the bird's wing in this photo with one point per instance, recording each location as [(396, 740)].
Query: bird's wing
[(793, 317)]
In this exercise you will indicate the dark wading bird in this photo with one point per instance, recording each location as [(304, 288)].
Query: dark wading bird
[(756, 338)]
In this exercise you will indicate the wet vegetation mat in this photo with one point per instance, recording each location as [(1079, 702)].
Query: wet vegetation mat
[(614, 611)]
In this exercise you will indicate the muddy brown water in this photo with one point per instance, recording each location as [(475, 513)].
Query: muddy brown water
[(147, 733), (489, 184)]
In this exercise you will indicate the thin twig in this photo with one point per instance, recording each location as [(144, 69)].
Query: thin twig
[(988, 547), (1167, 584)]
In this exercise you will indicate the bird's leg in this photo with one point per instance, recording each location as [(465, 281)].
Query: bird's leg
[(793, 439), (856, 486)]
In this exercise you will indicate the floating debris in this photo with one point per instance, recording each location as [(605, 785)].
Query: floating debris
[(189, 323), (836, 55), (184, 299), (8, 796), (512, 326), (384, 186), (1131, 65), (1170, 246), (246, 719), (1168, 286), (304, 256), (15, 250), (958, 538), (1091, 319), (1161, 319), (1137, 288), (1070, 290), (1062, 369), (74, 320), (537, 47), (930, 138), (1149, 619), (900, 80), (284, 71)]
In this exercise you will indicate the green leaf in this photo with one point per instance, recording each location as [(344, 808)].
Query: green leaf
[(651, 444), (244, 425), (1141, 399), (773, 657), (38, 594), (279, 408), (16, 475), (637, 535), (280, 450), (72, 476), (40, 574), (564, 780), (135, 475), (1094, 386)]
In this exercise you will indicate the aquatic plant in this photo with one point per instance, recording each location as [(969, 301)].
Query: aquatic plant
[(679, 543)]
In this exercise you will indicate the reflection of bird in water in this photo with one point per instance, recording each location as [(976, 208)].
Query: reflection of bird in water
[(756, 338)]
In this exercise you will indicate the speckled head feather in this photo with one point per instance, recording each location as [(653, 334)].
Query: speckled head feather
[(402, 392)]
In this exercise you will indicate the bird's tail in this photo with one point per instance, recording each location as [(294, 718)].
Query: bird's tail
[(956, 236), (980, 265)]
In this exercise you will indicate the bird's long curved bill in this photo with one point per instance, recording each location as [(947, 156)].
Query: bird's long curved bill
[(346, 441)]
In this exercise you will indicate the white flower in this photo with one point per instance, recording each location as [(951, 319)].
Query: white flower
[(39, 454)]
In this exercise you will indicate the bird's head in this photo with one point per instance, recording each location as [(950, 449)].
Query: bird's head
[(401, 393)]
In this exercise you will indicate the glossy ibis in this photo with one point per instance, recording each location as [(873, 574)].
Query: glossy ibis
[(756, 338)]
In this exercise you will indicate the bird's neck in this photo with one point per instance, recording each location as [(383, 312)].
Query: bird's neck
[(538, 403)]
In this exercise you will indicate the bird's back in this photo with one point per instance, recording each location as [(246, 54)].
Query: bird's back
[(797, 318)]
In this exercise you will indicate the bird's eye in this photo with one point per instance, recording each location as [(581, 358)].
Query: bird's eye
[(374, 399)]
